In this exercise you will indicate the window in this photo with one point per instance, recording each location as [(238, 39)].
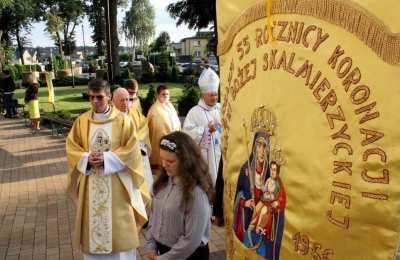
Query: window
[(196, 43), (197, 54)]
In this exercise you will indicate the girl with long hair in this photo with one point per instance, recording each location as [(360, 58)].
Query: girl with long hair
[(180, 222), (32, 101)]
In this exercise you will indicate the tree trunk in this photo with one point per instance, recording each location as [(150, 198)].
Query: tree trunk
[(114, 38), (134, 48), (20, 47), (110, 72), (1, 54), (100, 28), (60, 48)]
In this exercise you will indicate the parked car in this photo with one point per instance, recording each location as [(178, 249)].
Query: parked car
[(123, 64)]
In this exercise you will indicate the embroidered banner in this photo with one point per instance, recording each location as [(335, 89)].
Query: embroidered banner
[(311, 141)]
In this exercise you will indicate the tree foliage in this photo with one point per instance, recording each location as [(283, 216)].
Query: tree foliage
[(62, 18), (161, 44), (138, 23), (16, 17), (196, 14), (96, 15), (5, 3)]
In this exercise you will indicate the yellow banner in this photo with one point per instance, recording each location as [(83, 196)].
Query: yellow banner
[(50, 88), (311, 140)]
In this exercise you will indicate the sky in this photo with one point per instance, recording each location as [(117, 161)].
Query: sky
[(162, 21)]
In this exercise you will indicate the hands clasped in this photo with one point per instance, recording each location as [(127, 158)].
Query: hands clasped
[(96, 159)]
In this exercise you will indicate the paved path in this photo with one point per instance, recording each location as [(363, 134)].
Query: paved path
[(36, 215)]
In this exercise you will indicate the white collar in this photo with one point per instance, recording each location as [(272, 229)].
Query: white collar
[(102, 116), (202, 104)]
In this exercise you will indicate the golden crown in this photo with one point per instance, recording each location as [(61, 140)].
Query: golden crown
[(263, 119), (277, 156)]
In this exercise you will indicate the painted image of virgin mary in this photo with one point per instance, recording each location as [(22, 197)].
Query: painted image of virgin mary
[(260, 201)]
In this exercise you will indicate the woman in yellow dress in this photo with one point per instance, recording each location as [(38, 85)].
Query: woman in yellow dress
[(31, 99)]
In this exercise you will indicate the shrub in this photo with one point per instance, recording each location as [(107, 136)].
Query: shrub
[(67, 81), (85, 96), (125, 57), (114, 87), (61, 64), (16, 70), (189, 99), (174, 74), (13, 71), (164, 71), (149, 100), (127, 74)]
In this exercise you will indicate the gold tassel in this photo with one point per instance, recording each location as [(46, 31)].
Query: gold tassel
[(270, 21)]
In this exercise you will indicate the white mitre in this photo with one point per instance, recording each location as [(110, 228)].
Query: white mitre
[(208, 81)]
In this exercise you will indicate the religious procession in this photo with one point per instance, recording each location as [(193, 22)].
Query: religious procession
[(247, 129)]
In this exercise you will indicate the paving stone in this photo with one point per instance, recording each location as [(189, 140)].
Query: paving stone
[(36, 215)]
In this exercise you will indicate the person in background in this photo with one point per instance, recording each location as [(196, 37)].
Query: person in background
[(180, 221), (121, 102), (162, 120), (32, 101), (8, 88), (132, 87)]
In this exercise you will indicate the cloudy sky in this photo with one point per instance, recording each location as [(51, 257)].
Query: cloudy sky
[(163, 22)]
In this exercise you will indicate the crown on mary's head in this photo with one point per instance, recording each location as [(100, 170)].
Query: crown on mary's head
[(263, 120)]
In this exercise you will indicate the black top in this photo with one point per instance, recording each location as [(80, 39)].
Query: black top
[(7, 84)]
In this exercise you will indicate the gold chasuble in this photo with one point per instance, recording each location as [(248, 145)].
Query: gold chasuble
[(163, 120), (136, 105), (142, 129), (311, 139), (110, 206)]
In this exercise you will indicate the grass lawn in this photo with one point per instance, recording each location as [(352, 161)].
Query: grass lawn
[(70, 99)]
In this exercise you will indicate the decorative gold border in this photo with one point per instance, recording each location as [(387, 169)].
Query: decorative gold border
[(346, 14)]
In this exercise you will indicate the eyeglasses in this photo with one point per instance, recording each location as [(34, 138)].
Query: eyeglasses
[(98, 97)]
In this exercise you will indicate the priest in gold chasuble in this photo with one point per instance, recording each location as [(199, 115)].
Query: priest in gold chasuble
[(121, 102), (106, 178), (163, 119)]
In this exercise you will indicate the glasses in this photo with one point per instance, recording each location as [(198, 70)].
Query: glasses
[(98, 97)]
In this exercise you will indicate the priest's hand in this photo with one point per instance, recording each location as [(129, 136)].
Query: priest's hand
[(151, 256), (212, 127), (96, 159)]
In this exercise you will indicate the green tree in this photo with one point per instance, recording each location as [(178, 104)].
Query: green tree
[(15, 18), (161, 44), (96, 15), (5, 3), (62, 18), (55, 25), (138, 24)]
